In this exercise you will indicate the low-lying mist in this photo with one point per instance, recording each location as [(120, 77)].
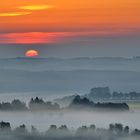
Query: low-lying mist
[(116, 131), (43, 120)]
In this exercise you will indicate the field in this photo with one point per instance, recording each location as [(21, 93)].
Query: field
[(134, 105)]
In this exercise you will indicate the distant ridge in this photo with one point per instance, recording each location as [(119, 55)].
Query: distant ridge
[(75, 58)]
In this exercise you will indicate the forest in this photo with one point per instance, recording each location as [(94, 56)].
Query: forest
[(38, 104), (115, 131)]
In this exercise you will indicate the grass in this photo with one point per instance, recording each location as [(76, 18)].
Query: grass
[(134, 105)]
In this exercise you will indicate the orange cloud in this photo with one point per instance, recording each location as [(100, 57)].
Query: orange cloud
[(36, 7), (12, 14), (73, 15), (28, 38), (54, 37)]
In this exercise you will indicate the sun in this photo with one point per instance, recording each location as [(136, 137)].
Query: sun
[(31, 53)]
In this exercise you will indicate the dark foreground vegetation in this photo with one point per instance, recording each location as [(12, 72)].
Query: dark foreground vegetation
[(103, 94), (114, 132), (78, 102)]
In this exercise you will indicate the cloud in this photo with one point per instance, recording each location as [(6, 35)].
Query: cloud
[(12, 14), (54, 37), (36, 7), (28, 38), (29, 7)]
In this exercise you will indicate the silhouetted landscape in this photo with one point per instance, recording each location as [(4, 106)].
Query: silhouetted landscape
[(115, 131), (103, 94), (78, 103), (83, 103), (69, 69), (83, 91)]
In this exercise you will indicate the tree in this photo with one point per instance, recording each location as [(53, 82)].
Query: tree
[(82, 131), (5, 106), (111, 127), (36, 104), (18, 105), (136, 132), (118, 128), (52, 131), (126, 130), (79, 102), (34, 130), (133, 95), (21, 129), (5, 126), (92, 127), (100, 93)]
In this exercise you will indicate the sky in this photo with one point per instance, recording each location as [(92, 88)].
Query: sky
[(75, 28)]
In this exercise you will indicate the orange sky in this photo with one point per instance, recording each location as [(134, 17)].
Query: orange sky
[(61, 16)]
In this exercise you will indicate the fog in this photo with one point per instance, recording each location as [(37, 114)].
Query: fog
[(77, 123), (52, 78), (42, 120), (62, 64)]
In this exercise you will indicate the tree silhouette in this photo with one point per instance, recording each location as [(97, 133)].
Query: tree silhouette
[(5, 126), (18, 105), (21, 129), (126, 130)]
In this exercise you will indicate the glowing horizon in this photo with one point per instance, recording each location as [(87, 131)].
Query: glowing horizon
[(118, 17)]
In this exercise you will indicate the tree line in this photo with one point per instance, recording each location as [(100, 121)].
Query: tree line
[(78, 102), (105, 93), (113, 132), (81, 103), (34, 104)]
